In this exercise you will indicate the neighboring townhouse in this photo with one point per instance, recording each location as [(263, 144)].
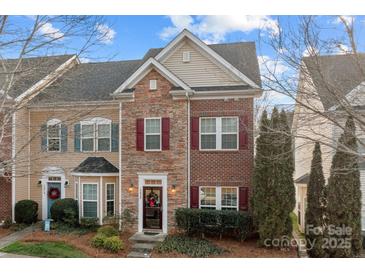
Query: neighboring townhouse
[(20, 79), (326, 83), (171, 130)]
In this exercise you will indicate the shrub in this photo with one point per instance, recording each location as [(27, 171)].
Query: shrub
[(108, 231), (89, 223), (98, 240), (219, 222), (113, 244), (189, 246), (26, 212), (66, 211)]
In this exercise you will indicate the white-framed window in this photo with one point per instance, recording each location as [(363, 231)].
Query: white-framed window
[(110, 199), (219, 133), (186, 56), (54, 135), (152, 138), (90, 194), (220, 198), (361, 146), (153, 84), (96, 135)]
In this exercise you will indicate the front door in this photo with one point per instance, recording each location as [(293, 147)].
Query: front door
[(152, 207), (53, 194)]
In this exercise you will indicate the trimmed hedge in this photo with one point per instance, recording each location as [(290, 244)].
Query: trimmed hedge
[(108, 231), (26, 212), (66, 211), (219, 222)]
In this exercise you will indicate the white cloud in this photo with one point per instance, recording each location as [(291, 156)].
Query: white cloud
[(84, 60), (348, 19), (106, 34), (48, 30), (343, 49), (310, 51), (270, 67), (213, 29)]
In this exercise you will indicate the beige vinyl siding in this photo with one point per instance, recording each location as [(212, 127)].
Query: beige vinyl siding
[(65, 160), (200, 71)]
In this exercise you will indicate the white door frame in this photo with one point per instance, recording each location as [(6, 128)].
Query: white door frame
[(51, 172), (142, 177)]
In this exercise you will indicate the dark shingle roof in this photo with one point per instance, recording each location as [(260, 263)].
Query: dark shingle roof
[(89, 82), (29, 72), (96, 165), (335, 74)]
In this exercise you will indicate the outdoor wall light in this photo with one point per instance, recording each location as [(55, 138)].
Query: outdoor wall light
[(130, 189), (66, 183), (39, 182), (173, 190)]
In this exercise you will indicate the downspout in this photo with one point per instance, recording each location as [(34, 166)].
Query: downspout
[(13, 167), (29, 155), (120, 167), (188, 152)]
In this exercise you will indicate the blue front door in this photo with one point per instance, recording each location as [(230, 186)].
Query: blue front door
[(53, 194)]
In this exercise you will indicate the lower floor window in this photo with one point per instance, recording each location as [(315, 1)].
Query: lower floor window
[(110, 194), (90, 200), (221, 198)]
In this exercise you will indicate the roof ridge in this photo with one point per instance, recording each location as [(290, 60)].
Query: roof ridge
[(333, 55), (232, 43), (113, 61), (39, 57)]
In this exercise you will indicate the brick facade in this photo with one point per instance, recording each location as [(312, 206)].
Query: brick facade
[(157, 103), (223, 168)]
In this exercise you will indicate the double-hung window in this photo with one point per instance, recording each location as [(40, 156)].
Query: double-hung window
[(110, 198), (96, 135), (104, 136), (54, 135), (90, 200), (221, 198), (87, 136), (219, 133), (152, 134)]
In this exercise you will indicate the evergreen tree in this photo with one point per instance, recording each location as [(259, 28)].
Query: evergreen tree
[(314, 216), (344, 195)]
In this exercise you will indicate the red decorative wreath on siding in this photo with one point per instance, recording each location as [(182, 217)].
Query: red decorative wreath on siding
[(54, 193)]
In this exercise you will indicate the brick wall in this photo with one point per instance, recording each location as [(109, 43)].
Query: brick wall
[(5, 198), (157, 103), (223, 168)]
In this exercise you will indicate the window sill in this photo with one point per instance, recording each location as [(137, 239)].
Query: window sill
[(219, 150)]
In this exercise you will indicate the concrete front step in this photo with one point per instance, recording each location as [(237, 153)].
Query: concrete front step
[(143, 247), (142, 238), (136, 254)]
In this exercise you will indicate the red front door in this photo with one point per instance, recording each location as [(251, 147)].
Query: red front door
[(152, 207)]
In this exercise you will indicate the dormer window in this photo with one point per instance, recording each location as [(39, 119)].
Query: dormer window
[(186, 56), (153, 84)]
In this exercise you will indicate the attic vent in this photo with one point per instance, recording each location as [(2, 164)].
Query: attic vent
[(186, 56), (153, 84)]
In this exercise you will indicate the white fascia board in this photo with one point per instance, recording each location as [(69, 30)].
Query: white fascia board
[(144, 69), (203, 46), (80, 174), (32, 91)]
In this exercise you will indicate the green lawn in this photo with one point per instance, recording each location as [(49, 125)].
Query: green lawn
[(44, 250), (294, 221)]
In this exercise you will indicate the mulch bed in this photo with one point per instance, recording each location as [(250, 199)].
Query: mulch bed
[(4, 232), (81, 242), (237, 249)]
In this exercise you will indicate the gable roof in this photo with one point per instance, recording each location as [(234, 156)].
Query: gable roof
[(96, 165), (30, 71), (339, 73)]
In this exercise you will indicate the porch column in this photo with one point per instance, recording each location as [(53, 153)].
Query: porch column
[(79, 198), (101, 201)]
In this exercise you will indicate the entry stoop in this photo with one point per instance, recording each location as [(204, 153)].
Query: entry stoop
[(144, 244)]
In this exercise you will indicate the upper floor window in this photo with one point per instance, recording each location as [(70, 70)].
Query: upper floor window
[(54, 135), (219, 133), (153, 134), (186, 56), (96, 135), (153, 84)]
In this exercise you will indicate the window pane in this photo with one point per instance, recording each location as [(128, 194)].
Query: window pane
[(229, 124), (104, 131), (87, 131), (110, 192), (229, 141), (90, 209), (208, 125), (208, 141), (229, 197), (361, 148), (54, 131), (110, 208), (152, 141), (87, 144), (104, 144), (207, 197), (90, 192), (53, 144), (153, 126)]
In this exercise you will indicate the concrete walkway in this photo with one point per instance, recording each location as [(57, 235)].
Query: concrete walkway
[(144, 244), (16, 236), (8, 255)]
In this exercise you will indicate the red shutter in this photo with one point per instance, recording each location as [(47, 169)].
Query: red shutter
[(194, 133), (194, 197), (243, 198), (243, 132), (165, 133), (140, 134)]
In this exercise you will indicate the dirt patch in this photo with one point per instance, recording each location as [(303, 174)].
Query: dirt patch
[(81, 242), (237, 249), (4, 232)]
